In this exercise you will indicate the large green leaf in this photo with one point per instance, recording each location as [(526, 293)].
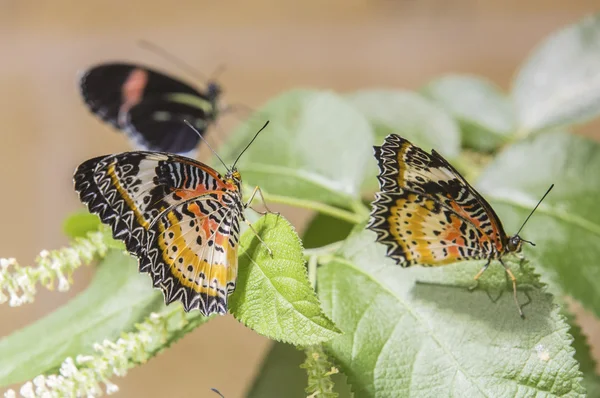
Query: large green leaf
[(117, 298), (419, 332), (560, 82), (566, 227), (316, 147), (484, 112), (273, 294), (412, 116)]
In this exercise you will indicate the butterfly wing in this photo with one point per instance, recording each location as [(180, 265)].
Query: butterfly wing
[(137, 99), (426, 212), (178, 216), (162, 121)]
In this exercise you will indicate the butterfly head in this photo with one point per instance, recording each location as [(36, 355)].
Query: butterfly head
[(515, 242), (234, 177), (213, 91)]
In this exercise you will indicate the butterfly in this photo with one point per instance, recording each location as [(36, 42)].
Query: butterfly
[(428, 214), (150, 106), (178, 216)]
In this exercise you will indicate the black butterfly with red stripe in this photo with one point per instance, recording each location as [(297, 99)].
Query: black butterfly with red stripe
[(150, 106)]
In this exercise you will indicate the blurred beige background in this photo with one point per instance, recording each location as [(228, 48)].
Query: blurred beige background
[(268, 46)]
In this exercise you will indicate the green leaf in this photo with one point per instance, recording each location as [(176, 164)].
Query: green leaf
[(323, 230), (484, 113), (411, 115), (79, 223), (316, 148), (420, 332), (560, 82), (117, 298), (273, 295), (280, 375), (566, 226)]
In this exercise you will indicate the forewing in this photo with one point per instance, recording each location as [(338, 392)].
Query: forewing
[(418, 177), (111, 89)]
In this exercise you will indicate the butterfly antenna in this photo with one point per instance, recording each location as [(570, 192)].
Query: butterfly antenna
[(250, 143), (532, 211), (218, 72), (217, 391), (207, 144), (171, 58)]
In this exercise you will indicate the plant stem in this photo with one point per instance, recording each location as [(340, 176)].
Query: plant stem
[(336, 212)]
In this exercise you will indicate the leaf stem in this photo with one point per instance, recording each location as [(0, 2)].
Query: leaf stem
[(336, 212)]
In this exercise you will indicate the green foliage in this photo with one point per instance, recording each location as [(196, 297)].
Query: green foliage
[(566, 227), (275, 297), (406, 326), (80, 223), (485, 114), (392, 331), (293, 157), (117, 298), (560, 82)]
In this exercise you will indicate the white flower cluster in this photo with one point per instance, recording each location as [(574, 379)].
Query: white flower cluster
[(18, 283), (85, 376)]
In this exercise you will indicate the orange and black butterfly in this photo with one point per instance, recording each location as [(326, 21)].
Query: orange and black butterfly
[(179, 217), (428, 214)]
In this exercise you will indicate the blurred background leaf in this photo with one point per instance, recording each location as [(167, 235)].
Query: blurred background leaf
[(485, 114), (559, 84), (315, 148)]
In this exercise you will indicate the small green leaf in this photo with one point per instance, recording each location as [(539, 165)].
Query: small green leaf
[(566, 226), (560, 82), (80, 223), (273, 295), (117, 298), (420, 332), (484, 112), (316, 147), (280, 375)]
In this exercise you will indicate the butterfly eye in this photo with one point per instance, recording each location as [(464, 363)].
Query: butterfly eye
[(514, 243)]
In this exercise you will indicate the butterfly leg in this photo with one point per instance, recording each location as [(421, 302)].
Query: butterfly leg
[(514, 283), (481, 271), (259, 191), (259, 238)]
